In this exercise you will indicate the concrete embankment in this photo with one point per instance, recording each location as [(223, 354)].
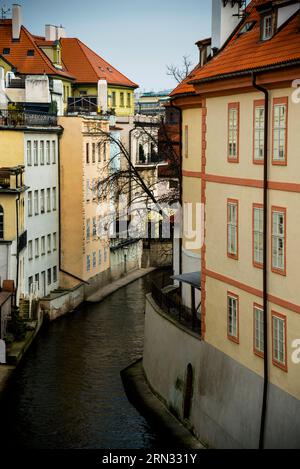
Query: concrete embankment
[(141, 396)]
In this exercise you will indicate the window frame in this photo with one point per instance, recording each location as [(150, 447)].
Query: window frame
[(278, 364), (232, 338), (283, 210), (233, 106), (230, 255), (254, 261), (256, 307), (280, 102), (263, 37), (258, 103)]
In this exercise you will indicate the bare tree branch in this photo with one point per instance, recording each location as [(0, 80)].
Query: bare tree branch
[(180, 73)]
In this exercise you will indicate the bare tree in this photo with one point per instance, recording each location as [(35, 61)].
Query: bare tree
[(182, 72)]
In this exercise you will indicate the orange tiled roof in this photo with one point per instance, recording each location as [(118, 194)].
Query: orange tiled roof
[(24, 64), (88, 67), (184, 87), (245, 52)]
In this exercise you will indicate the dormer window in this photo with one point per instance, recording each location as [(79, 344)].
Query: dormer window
[(267, 27)]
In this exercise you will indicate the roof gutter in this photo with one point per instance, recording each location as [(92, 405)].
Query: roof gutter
[(265, 263), (247, 72)]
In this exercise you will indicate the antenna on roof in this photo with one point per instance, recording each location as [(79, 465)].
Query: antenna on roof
[(4, 11)]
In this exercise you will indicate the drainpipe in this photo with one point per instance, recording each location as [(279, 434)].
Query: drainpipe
[(59, 222), (18, 253), (265, 263), (180, 181)]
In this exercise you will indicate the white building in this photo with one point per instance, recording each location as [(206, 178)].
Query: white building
[(40, 272)]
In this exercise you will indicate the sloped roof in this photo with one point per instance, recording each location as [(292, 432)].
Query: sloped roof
[(37, 64), (88, 67), (246, 52), (185, 87)]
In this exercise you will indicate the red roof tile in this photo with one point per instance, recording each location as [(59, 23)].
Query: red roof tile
[(88, 67), (37, 64), (184, 87), (246, 52)]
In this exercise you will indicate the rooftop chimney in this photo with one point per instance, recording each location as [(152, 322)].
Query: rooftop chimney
[(225, 17), (50, 32), (16, 21), (60, 32)]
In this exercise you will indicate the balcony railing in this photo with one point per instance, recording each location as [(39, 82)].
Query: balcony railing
[(83, 105), (23, 118), (171, 305), (18, 83)]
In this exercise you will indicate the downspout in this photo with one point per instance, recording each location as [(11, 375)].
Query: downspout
[(265, 263), (59, 222), (180, 181), (18, 253)]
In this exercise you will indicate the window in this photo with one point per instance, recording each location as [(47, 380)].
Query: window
[(53, 151), (43, 246), (35, 153), (54, 241), (259, 131), (94, 227), (233, 132), (37, 247), (30, 204), (54, 205), (88, 263), (94, 152), (48, 200), (94, 260), (54, 274), (279, 348), (29, 154), (88, 190), (279, 240), (6, 51), (267, 27), (36, 202), (113, 99), (186, 141), (49, 243), (1, 222), (37, 281), (30, 283), (42, 200), (88, 230), (258, 235), (99, 152), (48, 151), (30, 52), (280, 110), (104, 151), (30, 252), (87, 153), (42, 152), (121, 99), (105, 254), (99, 257), (49, 276), (128, 100), (233, 317), (232, 229), (258, 330)]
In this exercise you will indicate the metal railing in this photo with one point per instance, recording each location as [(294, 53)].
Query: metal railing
[(83, 104), (23, 118), (172, 306)]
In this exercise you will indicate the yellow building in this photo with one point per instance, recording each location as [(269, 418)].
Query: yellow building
[(238, 385), (84, 153)]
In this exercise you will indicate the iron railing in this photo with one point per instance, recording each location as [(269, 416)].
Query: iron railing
[(83, 104), (172, 306), (23, 118)]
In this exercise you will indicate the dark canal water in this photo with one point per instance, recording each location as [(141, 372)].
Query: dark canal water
[(68, 393)]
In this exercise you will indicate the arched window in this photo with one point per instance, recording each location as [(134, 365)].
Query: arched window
[(1, 222)]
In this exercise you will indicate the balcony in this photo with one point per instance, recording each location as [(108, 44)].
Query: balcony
[(23, 118), (170, 303), (83, 105), (16, 83)]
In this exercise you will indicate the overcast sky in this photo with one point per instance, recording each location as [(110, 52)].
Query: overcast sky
[(138, 37)]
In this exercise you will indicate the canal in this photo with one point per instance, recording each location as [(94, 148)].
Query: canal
[(67, 392)]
